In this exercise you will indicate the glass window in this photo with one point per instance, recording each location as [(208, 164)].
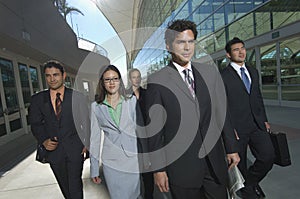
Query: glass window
[(269, 72), (9, 86), (10, 93), (23, 70), (251, 57), (206, 27), (242, 28), (283, 18), (3, 130), (34, 79), (43, 78), (220, 40), (68, 82), (263, 22), (218, 18), (290, 69)]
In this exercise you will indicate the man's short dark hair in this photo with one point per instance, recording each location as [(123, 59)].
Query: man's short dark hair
[(235, 40), (178, 26), (54, 64)]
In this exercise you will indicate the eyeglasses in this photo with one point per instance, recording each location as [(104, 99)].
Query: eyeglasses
[(114, 79)]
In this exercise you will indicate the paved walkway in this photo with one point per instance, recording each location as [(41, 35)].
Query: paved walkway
[(23, 177)]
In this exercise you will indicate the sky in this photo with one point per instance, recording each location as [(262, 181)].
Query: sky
[(93, 26)]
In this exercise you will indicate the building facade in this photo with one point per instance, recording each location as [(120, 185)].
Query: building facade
[(31, 33), (270, 29)]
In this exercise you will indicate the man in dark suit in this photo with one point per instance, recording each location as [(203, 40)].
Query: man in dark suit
[(248, 118), (187, 121), (59, 121)]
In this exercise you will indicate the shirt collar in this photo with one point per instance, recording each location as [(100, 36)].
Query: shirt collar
[(238, 67), (180, 68), (61, 91), (107, 104)]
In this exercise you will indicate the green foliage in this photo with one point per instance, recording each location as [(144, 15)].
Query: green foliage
[(64, 8)]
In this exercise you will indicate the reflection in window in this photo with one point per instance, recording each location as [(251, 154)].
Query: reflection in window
[(34, 79), (23, 70), (9, 85), (243, 28), (290, 68), (2, 122), (68, 82), (43, 79), (269, 72), (250, 59)]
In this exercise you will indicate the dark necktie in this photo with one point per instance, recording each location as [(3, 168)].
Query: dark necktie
[(245, 79), (58, 105), (189, 81)]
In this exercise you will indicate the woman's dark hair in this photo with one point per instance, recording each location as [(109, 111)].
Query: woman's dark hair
[(54, 64), (100, 90)]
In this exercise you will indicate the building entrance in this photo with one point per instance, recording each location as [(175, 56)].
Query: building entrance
[(10, 116)]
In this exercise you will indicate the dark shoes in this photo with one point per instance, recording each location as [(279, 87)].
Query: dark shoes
[(251, 192)]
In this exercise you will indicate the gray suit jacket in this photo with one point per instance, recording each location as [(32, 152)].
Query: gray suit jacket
[(119, 149)]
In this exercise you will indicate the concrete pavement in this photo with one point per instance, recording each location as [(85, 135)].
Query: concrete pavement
[(26, 178)]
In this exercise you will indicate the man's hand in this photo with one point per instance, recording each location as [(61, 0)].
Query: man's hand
[(233, 159), (51, 144), (85, 153), (96, 180), (268, 127), (161, 180)]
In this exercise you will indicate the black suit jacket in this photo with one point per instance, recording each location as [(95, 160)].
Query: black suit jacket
[(72, 129), (246, 110), (179, 125)]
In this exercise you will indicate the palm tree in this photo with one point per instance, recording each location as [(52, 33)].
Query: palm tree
[(64, 8)]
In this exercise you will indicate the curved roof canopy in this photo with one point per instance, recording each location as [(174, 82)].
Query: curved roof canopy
[(122, 15)]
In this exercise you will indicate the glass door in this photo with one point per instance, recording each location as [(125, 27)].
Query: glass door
[(10, 117)]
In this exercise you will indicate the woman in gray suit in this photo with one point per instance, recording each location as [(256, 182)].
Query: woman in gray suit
[(115, 114)]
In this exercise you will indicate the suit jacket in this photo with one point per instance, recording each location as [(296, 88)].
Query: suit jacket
[(119, 149), (246, 110), (184, 131), (72, 129)]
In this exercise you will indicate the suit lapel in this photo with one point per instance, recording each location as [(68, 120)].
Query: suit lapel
[(65, 106), (124, 116), (104, 114), (48, 107), (201, 91)]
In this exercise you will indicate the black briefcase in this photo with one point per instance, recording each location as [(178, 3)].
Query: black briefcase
[(282, 154), (41, 154)]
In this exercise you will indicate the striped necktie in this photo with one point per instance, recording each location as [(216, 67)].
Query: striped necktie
[(58, 105), (189, 81)]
